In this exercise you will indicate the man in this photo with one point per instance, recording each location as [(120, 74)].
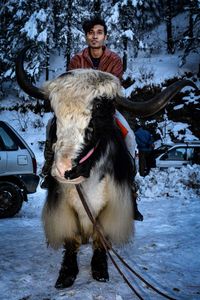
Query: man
[(98, 56), (145, 146)]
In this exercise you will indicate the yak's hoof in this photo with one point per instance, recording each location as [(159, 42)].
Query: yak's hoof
[(100, 275), (99, 265), (65, 279)]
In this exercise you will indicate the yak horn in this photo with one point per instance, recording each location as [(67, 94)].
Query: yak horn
[(139, 109), (22, 79), (154, 105)]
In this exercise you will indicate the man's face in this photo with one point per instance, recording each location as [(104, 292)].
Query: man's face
[(96, 37)]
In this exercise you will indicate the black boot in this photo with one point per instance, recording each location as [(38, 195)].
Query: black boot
[(68, 271), (49, 156), (48, 153), (137, 215), (99, 265), (45, 182)]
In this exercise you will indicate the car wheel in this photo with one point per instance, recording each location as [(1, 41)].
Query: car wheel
[(11, 199)]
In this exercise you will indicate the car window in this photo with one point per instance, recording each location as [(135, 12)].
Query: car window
[(176, 154), (6, 142), (190, 153)]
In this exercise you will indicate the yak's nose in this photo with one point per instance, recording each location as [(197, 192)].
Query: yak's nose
[(63, 165)]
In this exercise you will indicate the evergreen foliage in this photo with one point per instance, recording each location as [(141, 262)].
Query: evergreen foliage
[(190, 41), (55, 25)]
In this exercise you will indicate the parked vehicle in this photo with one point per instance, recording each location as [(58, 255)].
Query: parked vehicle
[(158, 151), (179, 155), (17, 171)]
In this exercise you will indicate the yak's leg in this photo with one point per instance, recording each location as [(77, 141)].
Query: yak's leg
[(69, 267), (99, 265)]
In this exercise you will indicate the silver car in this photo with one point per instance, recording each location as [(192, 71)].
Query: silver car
[(179, 155), (18, 169)]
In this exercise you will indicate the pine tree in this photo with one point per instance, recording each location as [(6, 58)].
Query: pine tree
[(168, 16), (120, 17), (97, 7), (149, 13), (26, 23), (191, 38)]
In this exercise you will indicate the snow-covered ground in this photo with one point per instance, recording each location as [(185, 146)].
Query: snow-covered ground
[(164, 250)]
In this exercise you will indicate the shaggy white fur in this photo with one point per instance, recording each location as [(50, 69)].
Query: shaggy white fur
[(71, 98)]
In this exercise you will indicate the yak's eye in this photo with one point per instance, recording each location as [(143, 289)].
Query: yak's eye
[(90, 129), (97, 105)]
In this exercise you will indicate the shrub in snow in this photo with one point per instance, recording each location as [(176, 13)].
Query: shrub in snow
[(170, 182), (193, 180)]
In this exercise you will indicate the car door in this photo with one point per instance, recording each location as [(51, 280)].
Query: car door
[(15, 158), (3, 161), (7, 146), (3, 154)]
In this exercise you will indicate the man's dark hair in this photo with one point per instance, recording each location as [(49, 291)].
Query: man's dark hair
[(89, 24)]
